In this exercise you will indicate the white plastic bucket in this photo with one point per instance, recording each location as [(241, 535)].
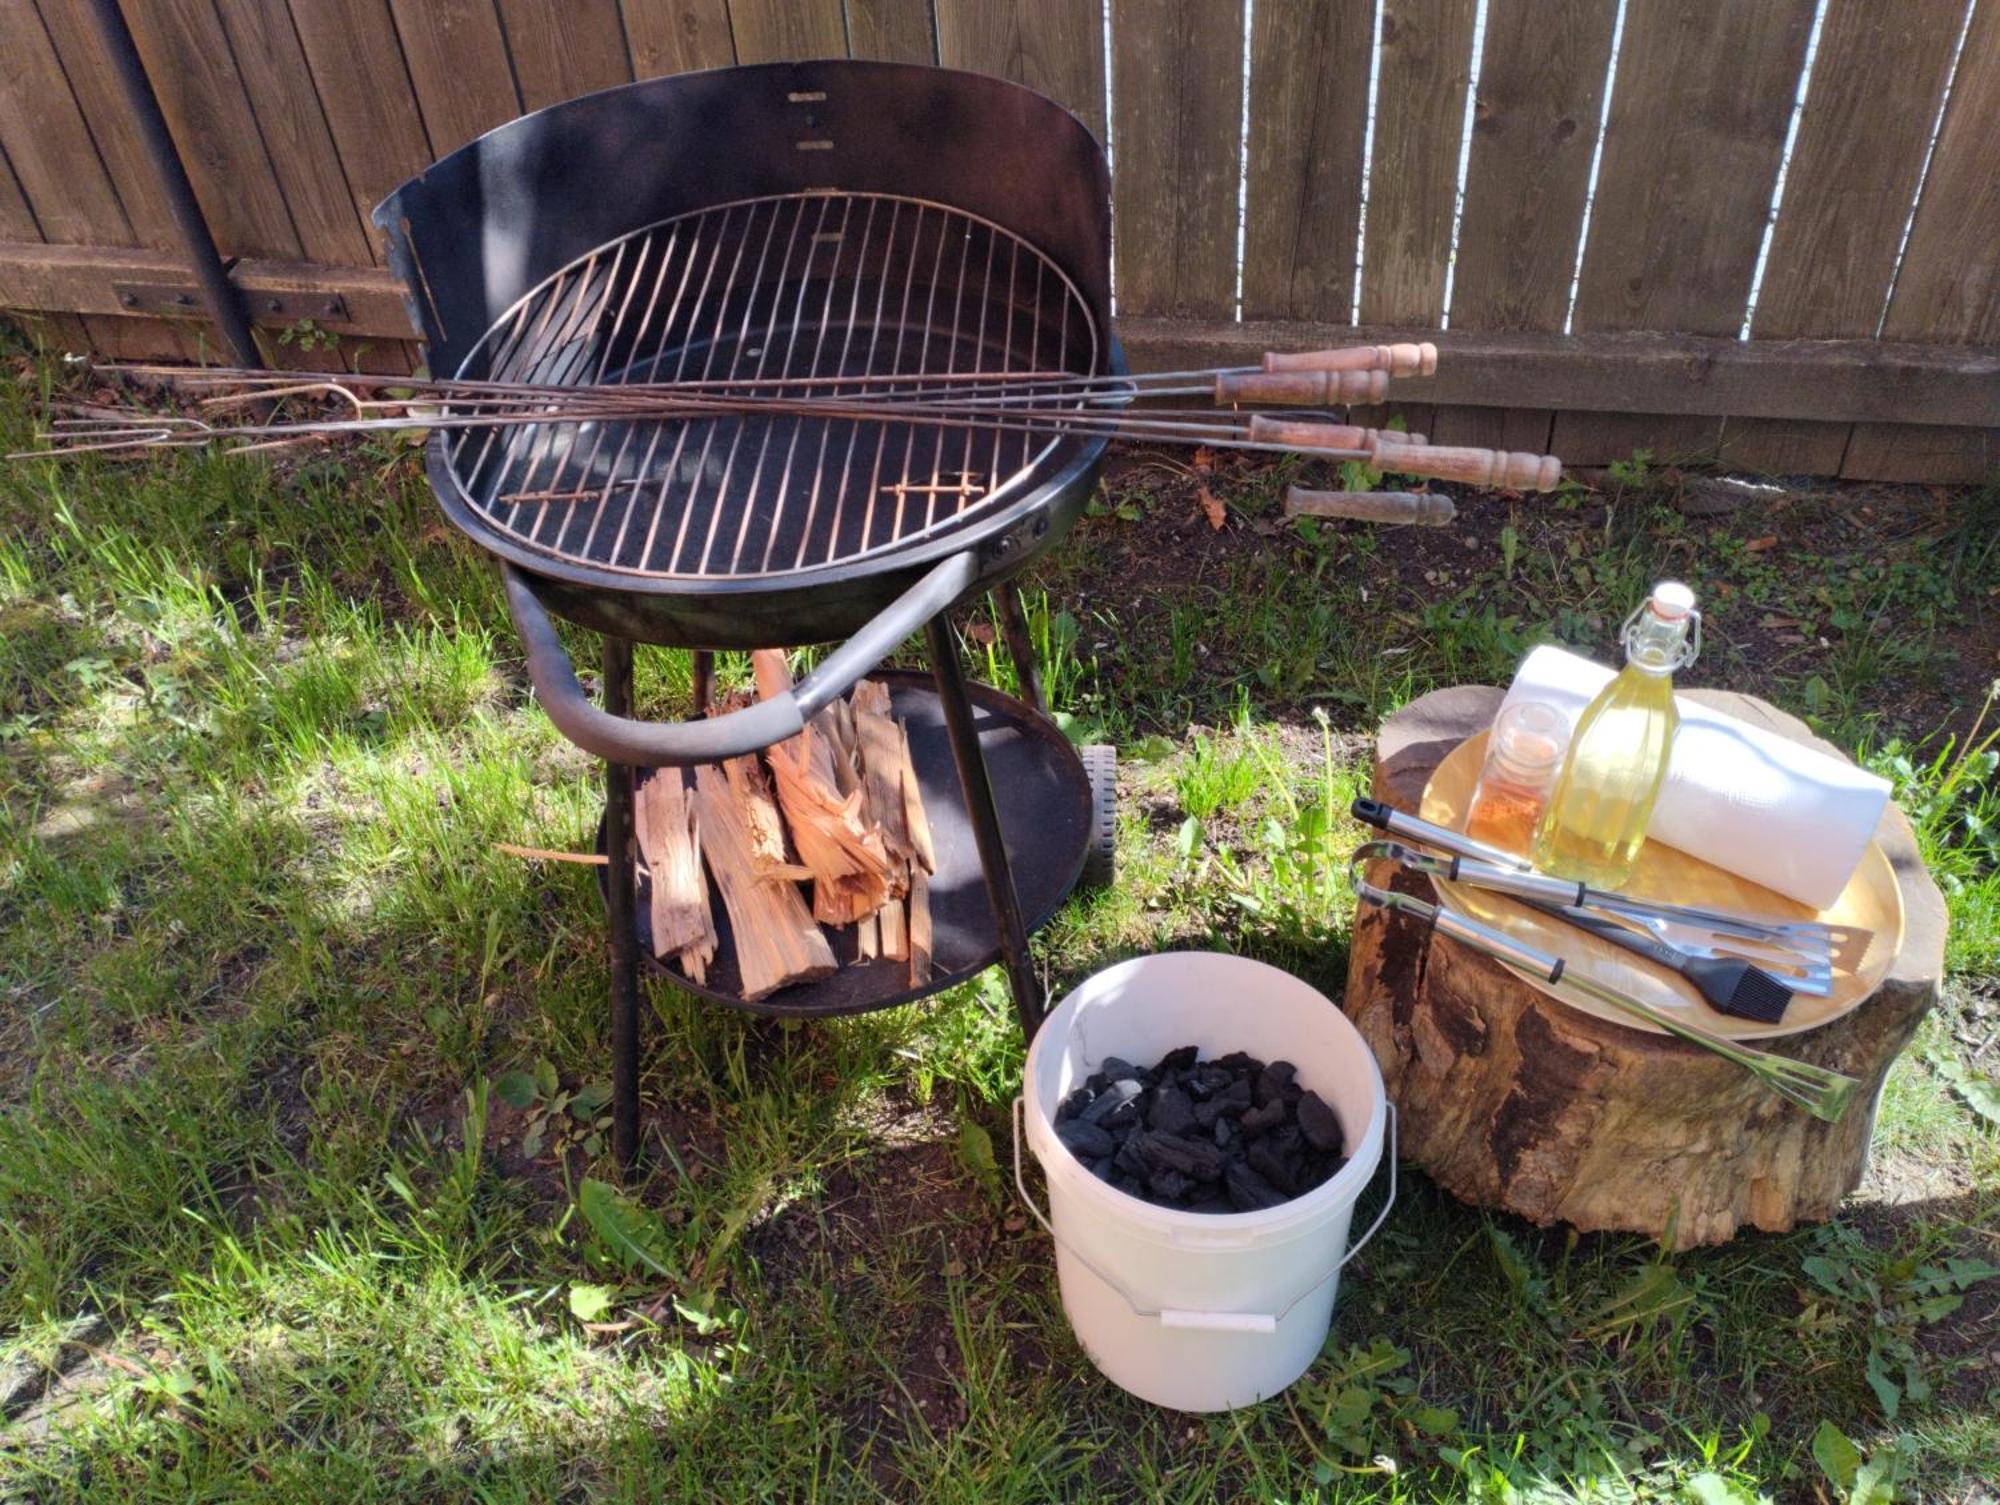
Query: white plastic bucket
[(1201, 1311)]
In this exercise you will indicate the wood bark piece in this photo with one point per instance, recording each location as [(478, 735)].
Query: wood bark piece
[(920, 927), (915, 821), (892, 925), (777, 943), (879, 740), (677, 893), (1511, 1099)]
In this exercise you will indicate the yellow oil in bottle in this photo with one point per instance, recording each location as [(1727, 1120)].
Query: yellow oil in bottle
[(1617, 762)]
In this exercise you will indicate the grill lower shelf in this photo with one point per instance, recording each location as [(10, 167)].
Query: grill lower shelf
[(1045, 806)]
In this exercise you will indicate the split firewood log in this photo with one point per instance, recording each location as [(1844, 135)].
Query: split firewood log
[(670, 848), (850, 866), (777, 943)]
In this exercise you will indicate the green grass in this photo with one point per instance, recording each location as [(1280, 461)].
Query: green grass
[(273, 1013)]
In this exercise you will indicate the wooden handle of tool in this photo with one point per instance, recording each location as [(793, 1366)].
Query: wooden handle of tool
[(1302, 389), (1298, 433), (1397, 360), (1475, 467), (1423, 509)]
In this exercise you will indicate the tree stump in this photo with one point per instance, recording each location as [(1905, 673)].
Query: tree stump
[(1511, 1099)]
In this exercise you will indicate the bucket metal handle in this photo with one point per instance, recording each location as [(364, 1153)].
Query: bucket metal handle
[(1234, 1322)]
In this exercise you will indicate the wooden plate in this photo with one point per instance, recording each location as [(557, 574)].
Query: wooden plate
[(1871, 906)]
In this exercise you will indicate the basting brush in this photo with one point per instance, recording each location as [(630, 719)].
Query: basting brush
[(1730, 986)]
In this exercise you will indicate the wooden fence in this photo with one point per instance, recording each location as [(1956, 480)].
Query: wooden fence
[(1596, 268)]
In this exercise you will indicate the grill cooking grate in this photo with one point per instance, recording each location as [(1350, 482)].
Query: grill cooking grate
[(826, 285)]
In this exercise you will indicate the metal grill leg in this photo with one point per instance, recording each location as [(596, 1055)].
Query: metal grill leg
[(1020, 647), (971, 764), (621, 901), (702, 671)]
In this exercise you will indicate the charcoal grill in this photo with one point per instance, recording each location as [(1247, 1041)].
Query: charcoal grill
[(856, 221)]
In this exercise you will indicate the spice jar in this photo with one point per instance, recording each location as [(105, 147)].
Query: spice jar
[(1524, 755)]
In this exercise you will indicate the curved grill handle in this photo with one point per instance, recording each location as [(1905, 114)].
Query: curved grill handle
[(652, 744)]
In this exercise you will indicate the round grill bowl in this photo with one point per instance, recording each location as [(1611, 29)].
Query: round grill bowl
[(827, 219)]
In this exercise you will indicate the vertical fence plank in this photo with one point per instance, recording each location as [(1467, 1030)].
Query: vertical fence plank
[(202, 94), (1056, 46), (1833, 249), (364, 86), (1541, 89), (1308, 122), (677, 36), (563, 48), (285, 102), (458, 66), (1948, 289), (770, 31), (17, 223), (1855, 166), (103, 104), (1413, 177), (1698, 114), (1703, 92), (1177, 95), (49, 143), (896, 31), (146, 218)]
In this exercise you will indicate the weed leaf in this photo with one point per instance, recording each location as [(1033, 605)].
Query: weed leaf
[(589, 1303), (516, 1089), (1837, 1456), (633, 1234)]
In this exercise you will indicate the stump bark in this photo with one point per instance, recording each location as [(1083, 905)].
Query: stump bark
[(1510, 1099)]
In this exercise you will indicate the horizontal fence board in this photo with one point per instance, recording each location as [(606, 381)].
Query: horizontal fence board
[(1177, 93), (1698, 111), (85, 279), (1855, 166), (1056, 46), (1308, 119), (1523, 429), (1425, 67), (1665, 438), (1541, 87), (1834, 380), (1949, 285), (1784, 446), (563, 48), (1921, 452), (458, 64), (674, 36)]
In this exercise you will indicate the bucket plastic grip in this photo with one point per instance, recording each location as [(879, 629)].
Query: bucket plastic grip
[(1235, 1322)]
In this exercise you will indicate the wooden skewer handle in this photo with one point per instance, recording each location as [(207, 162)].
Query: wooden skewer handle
[(1397, 360), (1475, 467), (1424, 509), (1324, 389), (1296, 433)]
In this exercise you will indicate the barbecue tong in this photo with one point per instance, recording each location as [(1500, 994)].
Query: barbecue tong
[(1822, 1093), (1805, 947)]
